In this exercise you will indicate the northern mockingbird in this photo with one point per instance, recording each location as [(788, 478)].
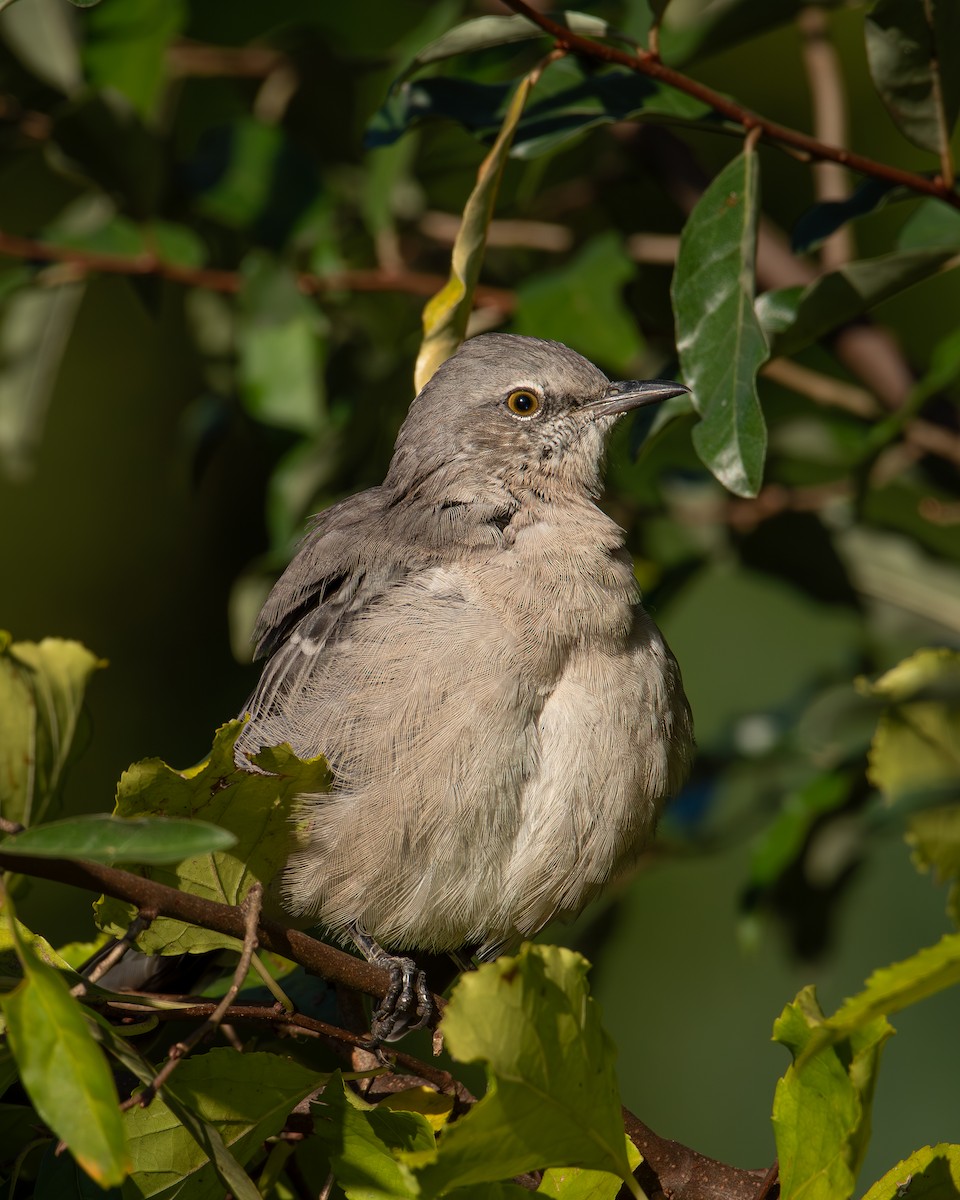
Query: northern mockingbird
[(466, 645)]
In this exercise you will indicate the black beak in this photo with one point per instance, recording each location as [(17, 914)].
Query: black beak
[(626, 394)]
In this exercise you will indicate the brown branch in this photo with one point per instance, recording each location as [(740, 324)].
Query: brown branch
[(414, 283), (645, 63)]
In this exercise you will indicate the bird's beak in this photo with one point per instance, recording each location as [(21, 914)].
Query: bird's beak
[(622, 396)]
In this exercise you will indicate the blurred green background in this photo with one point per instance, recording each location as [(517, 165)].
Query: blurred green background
[(163, 443)]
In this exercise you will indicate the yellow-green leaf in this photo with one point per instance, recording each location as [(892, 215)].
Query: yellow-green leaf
[(932, 1173)]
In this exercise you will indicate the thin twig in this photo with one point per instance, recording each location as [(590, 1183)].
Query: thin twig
[(645, 63), (140, 922), (251, 906), (10, 826)]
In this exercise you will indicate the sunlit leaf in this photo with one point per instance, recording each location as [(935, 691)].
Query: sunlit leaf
[(913, 49), (42, 685), (255, 807), (552, 1096), (719, 340), (579, 1183), (105, 839), (932, 1173), (582, 305), (445, 314), (61, 1068)]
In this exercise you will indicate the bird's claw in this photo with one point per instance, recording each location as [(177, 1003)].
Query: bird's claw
[(408, 1004)]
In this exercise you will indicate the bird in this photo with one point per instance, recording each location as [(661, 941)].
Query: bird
[(466, 645)]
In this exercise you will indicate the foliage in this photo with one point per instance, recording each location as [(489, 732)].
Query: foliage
[(271, 193)]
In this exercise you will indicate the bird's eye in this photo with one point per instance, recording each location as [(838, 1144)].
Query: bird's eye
[(523, 402)]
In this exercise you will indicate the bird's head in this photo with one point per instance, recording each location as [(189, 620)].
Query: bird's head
[(513, 412)]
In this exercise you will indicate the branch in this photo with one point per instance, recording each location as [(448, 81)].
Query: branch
[(414, 283), (646, 63)]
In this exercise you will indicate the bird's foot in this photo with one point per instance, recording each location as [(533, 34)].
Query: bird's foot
[(408, 1004)]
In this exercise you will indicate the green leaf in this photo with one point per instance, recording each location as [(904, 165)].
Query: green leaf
[(255, 807), (782, 842), (552, 1097), (915, 754), (794, 317), (818, 222), (935, 838), (719, 340), (445, 314), (577, 1183), (281, 376), (364, 1155), (105, 839), (61, 1067), (932, 223), (582, 305), (932, 1173), (913, 48), (890, 989), (231, 1103), (42, 685), (34, 332), (125, 47), (821, 1109)]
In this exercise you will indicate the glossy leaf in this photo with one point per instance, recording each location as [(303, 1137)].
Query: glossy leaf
[(107, 839), (552, 1095), (255, 807), (280, 349), (794, 317), (719, 340), (932, 1173), (913, 49), (826, 217), (42, 685), (582, 305), (61, 1067), (36, 327), (821, 1108), (445, 314)]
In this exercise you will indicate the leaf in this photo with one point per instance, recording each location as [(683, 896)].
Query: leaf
[(43, 35), (582, 305), (434, 1107), (281, 375), (577, 1183), (818, 222), (484, 33), (782, 842), (932, 223), (706, 26), (42, 685), (915, 753), (445, 314), (105, 839), (61, 1067), (255, 807), (794, 317), (552, 1095), (913, 48), (231, 1103), (935, 838), (34, 333), (719, 340), (821, 1108), (932, 1173), (125, 47)]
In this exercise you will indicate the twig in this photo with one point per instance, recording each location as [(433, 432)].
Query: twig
[(140, 922), (10, 826), (414, 283), (770, 1186), (251, 906), (824, 389), (645, 63)]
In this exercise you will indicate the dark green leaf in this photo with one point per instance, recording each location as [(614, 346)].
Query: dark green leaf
[(932, 223), (704, 26), (42, 685), (125, 47), (107, 839), (719, 340), (781, 843), (582, 305), (794, 317), (913, 47), (817, 223), (61, 1067), (256, 807), (34, 333)]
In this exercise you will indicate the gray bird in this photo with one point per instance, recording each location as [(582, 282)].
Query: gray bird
[(466, 645)]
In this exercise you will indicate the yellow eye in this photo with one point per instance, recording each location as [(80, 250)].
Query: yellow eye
[(523, 402)]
